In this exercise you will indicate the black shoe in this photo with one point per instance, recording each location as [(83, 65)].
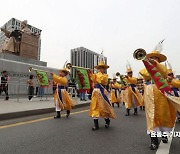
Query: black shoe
[(107, 122), (127, 112), (141, 108), (135, 111), (68, 113), (96, 125), (58, 115), (164, 139), (112, 104), (154, 143), (118, 104), (153, 146)]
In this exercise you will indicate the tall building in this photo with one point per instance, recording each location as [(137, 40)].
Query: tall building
[(84, 58), (14, 24)]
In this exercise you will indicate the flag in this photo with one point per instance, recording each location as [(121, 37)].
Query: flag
[(156, 76), (83, 79), (42, 78), (162, 84)]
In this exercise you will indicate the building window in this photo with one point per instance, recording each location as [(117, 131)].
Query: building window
[(13, 21)]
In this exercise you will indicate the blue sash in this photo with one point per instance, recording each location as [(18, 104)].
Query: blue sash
[(148, 83), (101, 88), (175, 90), (133, 87), (115, 91), (59, 91)]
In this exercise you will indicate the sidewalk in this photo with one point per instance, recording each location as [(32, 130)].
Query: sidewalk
[(14, 108)]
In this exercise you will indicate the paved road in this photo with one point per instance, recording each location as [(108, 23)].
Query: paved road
[(43, 134)]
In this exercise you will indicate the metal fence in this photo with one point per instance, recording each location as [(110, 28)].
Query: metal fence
[(18, 88)]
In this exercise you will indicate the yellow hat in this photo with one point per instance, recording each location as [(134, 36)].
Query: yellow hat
[(144, 73), (101, 64), (129, 70), (140, 78), (169, 68), (157, 52), (64, 70), (169, 71), (128, 67)]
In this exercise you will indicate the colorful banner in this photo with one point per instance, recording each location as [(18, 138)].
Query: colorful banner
[(42, 78), (83, 79), (158, 79), (162, 84)]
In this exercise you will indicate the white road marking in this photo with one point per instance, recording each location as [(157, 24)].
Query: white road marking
[(164, 148)]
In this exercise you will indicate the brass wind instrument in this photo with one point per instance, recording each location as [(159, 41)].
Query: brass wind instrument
[(139, 54), (32, 69), (69, 66)]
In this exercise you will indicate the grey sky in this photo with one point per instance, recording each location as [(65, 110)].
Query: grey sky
[(117, 26)]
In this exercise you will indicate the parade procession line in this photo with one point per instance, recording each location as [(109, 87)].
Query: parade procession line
[(37, 120)]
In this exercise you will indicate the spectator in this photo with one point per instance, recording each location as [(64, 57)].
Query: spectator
[(82, 94), (41, 92), (4, 84), (30, 87), (37, 89)]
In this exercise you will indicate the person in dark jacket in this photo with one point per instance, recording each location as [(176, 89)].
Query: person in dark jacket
[(4, 84), (30, 87)]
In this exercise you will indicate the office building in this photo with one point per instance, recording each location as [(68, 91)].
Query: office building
[(84, 58)]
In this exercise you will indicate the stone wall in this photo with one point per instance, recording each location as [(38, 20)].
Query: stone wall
[(19, 74)]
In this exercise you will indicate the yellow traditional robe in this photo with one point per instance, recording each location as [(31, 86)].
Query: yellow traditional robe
[(130, 97), (66, 102), (99, 107), (123, 94), (160, 113), (140, 98), (115, 98)]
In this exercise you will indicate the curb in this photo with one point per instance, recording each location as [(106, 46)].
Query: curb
[(13, 115)]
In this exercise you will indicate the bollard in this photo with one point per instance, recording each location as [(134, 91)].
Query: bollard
[(18, 90), (46, 92)]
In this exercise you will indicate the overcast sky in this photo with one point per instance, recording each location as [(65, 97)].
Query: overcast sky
[(116, 26)]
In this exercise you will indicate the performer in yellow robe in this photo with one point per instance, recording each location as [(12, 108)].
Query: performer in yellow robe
[(140, 92), (100, 105), (175, 85), (123, 94), (160, 113), (131, 99), (115, 94), (62, 100)]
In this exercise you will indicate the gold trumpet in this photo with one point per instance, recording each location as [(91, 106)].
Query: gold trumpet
[(139, 54), (32, 69), (69, 66)]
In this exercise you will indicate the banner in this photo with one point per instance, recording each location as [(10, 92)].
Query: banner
[(42, 78), (83, 79), (162, 84), (156, 76)]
